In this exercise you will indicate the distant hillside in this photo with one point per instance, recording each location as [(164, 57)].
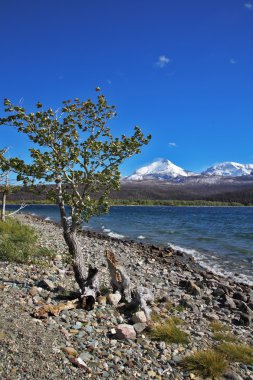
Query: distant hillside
[(240, 189)]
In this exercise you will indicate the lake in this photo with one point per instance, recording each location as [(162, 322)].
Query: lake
[(220, 238)]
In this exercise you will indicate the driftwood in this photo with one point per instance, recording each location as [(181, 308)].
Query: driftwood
[(91, 289), (142, 297), (120, 281), (119, 278), (46, 310)]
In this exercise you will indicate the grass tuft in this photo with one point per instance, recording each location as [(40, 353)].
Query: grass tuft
[(18, 243), (222, 333), (217, 326), (225, 337), (242, 353), (209, 363), (167, 331)]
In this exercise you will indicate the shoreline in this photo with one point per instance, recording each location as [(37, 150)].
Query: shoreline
[(223, 273), (32, 203), (182, 254), (183, 291)]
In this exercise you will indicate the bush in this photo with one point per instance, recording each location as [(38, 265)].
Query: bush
[(242, 353), (209, 363), (18, 242)]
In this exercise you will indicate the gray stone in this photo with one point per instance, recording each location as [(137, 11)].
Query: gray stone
[(232, 376), (114, 298), (218, 292), (245, 320), (229, 302), (162, 346), (139, 327), (240, 296), (89, 329), (85, 356), (139, 317), (190, 286), (46, 284), (125, 331)]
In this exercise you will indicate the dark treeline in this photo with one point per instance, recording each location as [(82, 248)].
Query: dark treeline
[(240, 191)]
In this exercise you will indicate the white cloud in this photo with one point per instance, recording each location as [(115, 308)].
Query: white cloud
[(232, 61), (248, 6), (172, 144), (162, 61)]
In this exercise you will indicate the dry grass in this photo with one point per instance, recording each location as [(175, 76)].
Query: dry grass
[(225, 337), (168, 331), (209, 363), (242, 353), (217, 326), (222, 333)]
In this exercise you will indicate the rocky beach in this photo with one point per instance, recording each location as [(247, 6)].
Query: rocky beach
[(105, 342)]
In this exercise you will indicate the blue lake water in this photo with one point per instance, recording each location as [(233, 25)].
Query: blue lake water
[(220, 238)]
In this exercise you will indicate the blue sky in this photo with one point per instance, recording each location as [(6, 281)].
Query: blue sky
[(181, 70)]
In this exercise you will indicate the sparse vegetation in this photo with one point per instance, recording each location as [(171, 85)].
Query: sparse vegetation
[(18, 243), (217, 326), (222, 332), (242, 353), (225, 337), (209, 363), (168, 331), (155, 317)]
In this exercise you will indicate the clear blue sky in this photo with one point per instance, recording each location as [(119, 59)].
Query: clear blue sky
[(181, 70)]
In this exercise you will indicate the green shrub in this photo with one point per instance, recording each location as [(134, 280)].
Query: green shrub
[(209, 363), (242, 353), (168, 332), (18, 243)]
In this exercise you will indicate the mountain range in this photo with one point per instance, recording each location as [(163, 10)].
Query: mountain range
[(165, 170)]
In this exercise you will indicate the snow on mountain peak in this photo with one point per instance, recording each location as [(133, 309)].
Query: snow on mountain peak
[(231, 169), (160, 170)]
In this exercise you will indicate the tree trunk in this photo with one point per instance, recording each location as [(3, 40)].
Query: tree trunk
[(3, 206), (88, 284), (79, 263)]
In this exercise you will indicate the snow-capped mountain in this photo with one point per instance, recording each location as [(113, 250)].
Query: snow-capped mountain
[(229, 169), (159, 170), (165, 170)]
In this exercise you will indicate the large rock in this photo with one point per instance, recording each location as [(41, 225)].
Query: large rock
[(114, 298), (139, 317), (140, 327), (245, 319), (232, 376), (240, 296), (190, 287), (125, 331), (46, 284)]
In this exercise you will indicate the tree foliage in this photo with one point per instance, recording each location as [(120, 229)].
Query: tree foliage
[(74, 146)]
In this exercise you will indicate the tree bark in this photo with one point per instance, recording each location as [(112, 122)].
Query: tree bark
[(87, 284), (3, 206), (119, 278)]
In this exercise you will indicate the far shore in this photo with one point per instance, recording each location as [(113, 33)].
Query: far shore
[(170, 203)]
